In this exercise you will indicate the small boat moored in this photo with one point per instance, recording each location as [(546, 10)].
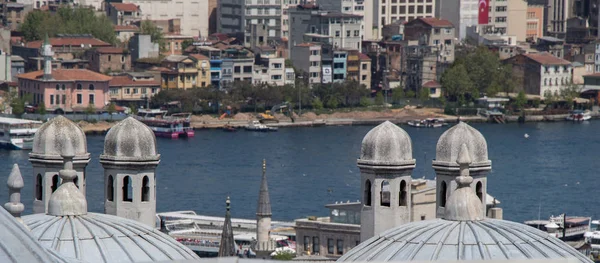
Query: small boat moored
[(579, 115), (257, 126), (428, 123)]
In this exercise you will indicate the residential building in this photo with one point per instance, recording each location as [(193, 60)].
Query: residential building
[(212, 16), (238, 64), (230, 16), (216, 62), (437, 33), (541, 73), (587, 58), (271, 70), (393, 31), (203, 66), (388, 12), (66, 90), (141, 46), (388, 62), (13, 13), (354, 7), (353, 65), (558, 11), (285, 18), (261, 12), (174, 43), (17, 66), (365, 70), (578, 72), (535, 22), (182, 72), (435, 88), (335, 28), (591, 86), (307, 58), (109, 59), (340, 65), (552, 45), (461, 13), (597, 57), (507, 17), (126, 32), (194, 15), (579, 31), (123, 13), (133, 88), (5, 67)]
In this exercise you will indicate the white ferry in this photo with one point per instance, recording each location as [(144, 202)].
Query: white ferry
[(17, 134)]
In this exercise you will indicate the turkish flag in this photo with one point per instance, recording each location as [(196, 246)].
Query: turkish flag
[(484, 12)]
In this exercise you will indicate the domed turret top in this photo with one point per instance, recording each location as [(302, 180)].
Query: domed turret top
[(53, 136), (387, 145), (130, 139), (67, 200), (463, 204), (451, 141)]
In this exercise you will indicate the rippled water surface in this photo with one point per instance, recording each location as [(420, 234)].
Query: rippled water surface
[(555, 170)]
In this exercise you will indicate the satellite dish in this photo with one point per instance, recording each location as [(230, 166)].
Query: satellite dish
[(82, 45)]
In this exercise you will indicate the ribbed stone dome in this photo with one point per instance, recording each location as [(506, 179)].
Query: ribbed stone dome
[(57, 134), (130, 139), (441, 239), (450, 142), (386, 144), (105, 238)]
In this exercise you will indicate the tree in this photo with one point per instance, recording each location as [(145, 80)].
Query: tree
[(365, 102), (41, 108), (156, 35), (186, 43), (332, 102), (456, 82), (90, 109), (410, 94), (18, 106), (521, 100), (398, 94), (134, 108), (112, 108), (284, 255), (424, 94), (317, 104), (569, 93), (379, 98)]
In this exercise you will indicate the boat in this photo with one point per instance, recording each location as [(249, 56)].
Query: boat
[(579, 115), (566, 228), (428, 123), (257, 126), (17, 134), (592, 238), (229, 128), (173, 126)]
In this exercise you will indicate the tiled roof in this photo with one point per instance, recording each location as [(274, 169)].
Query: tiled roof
[(364, 57), (126, 28), (125, 7), (432, 84), (435, 22), (69, 41), (546, 58), (67, 75), (199, 56), (118, 81), (110, 50)]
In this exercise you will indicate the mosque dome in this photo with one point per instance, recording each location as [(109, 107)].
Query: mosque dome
[(57, 134), (386, 144), (450, 142), (130, 139), (462, 234)]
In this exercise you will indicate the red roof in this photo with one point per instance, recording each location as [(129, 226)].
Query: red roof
[(110, 50), (364, 57), (431, 84), (119, 81), (67, 75), (199, 56), (435, 22), (546, 58), (69, 41), (125, 7), (126, 28)]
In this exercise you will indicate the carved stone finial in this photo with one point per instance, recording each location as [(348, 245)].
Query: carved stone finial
[(228, 203), (463, 204), (264, 167), (67, 200), (15, 184)]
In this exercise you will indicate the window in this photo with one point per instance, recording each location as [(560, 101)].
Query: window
[(443, 195), (364, 66), (145, 189), (237, 69), (57, 87), (307, 243), (54, 183), (91, 100), (364, 77), (38, 187), (403, 194), (276, 77), (51, 99), (356, 33), (314, 52), (64, 99), (247, 69), (110, 192), (314, 63), (276, 65), (79, 86), (91, 87), (330, 246), (348, 33), (63, 87), (127, 189), (422, 217), (367, 193), (79, 99), (316, 245), (135, 91), (337, 33), (385, 194), (479, 190), (340, 247), (109, 57)]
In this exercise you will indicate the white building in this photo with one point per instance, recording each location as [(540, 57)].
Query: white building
[(354, 7), (193, 14), (540, 73), (462, 14), (271, 71)]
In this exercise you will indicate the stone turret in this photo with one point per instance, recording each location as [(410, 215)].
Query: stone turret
[(264, 245), (227, 246), (15, 184), (386, 166), (48, 54)]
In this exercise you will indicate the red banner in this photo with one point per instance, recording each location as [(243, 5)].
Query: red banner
[(484, 12)]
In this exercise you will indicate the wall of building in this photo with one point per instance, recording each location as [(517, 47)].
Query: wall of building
[(48, 92), (194, 15), (391, 11), (124, 94), (230, 16), (365, 73), (110, 62), (535, 22), (312, 236)]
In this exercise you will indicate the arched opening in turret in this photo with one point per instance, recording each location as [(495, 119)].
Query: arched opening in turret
[(54, 183), (402, 195), (385, 194), (76, 181), (145, 189), (38, 187), (127, 189), (367, 197), (110, 192), (443, 195), (479, 190)]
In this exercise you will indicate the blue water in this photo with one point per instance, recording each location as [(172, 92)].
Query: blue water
[(555, 170)]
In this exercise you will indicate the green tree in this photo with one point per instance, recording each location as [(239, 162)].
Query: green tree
[(186, 43), (410, 94), (379, 98), (284, 255), (456, 82), (549, 99), (332, 102), (398, 94), (365, 102), (521, 100), (134, 108), (569, 93), (90, 109), (317, 104), (41, 108), (424, 94), (18, 106), (156, 34), (112, 108)]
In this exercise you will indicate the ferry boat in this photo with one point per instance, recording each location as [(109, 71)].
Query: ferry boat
[(257, 126), (566, 228), (17, 134), (173, 126), (428, 123), (579, 115), (592, 238)]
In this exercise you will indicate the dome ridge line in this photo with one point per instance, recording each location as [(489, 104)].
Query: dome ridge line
[(136, 241), (101, 224), (484, 253), (505, 251), (440, 244), (99, 244)]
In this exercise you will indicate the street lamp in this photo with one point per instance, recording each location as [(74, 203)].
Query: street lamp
[(301, 78)]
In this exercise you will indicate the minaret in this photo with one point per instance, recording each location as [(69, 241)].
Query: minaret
[(15, 184), (48, 54), (129, 160), (263, 212), (227, 246)]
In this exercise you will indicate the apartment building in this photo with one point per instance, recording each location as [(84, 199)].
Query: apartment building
[(365, 71), (214, 56), (203, 66), (235, 16), (123, 14), (462, 14), (558, 12), (436, 33), (194, 14), (133, 87), (13, 13), (389, 11), (541, 73), (507, 18), (285, 18), (272, 71), (354, 7), (307, 58), (179, 72), (535, 22), (109, 59), (237, 65)]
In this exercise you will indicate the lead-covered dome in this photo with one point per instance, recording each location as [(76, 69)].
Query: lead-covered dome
[(386, 144), (57, 134), (450, 142), (130, 139)]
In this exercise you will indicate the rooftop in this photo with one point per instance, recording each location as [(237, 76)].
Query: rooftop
[(67, 75), (199, 56), (125, 7), (69, 41), (546, 58), (131, 28), (118, 81), (434, 22), (110, 50)]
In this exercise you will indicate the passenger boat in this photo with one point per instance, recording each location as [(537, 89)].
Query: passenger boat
[(569, 228), (257, 126), (592, 238), (17, 134), (579, 115), (173, 126), (428, 123)]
